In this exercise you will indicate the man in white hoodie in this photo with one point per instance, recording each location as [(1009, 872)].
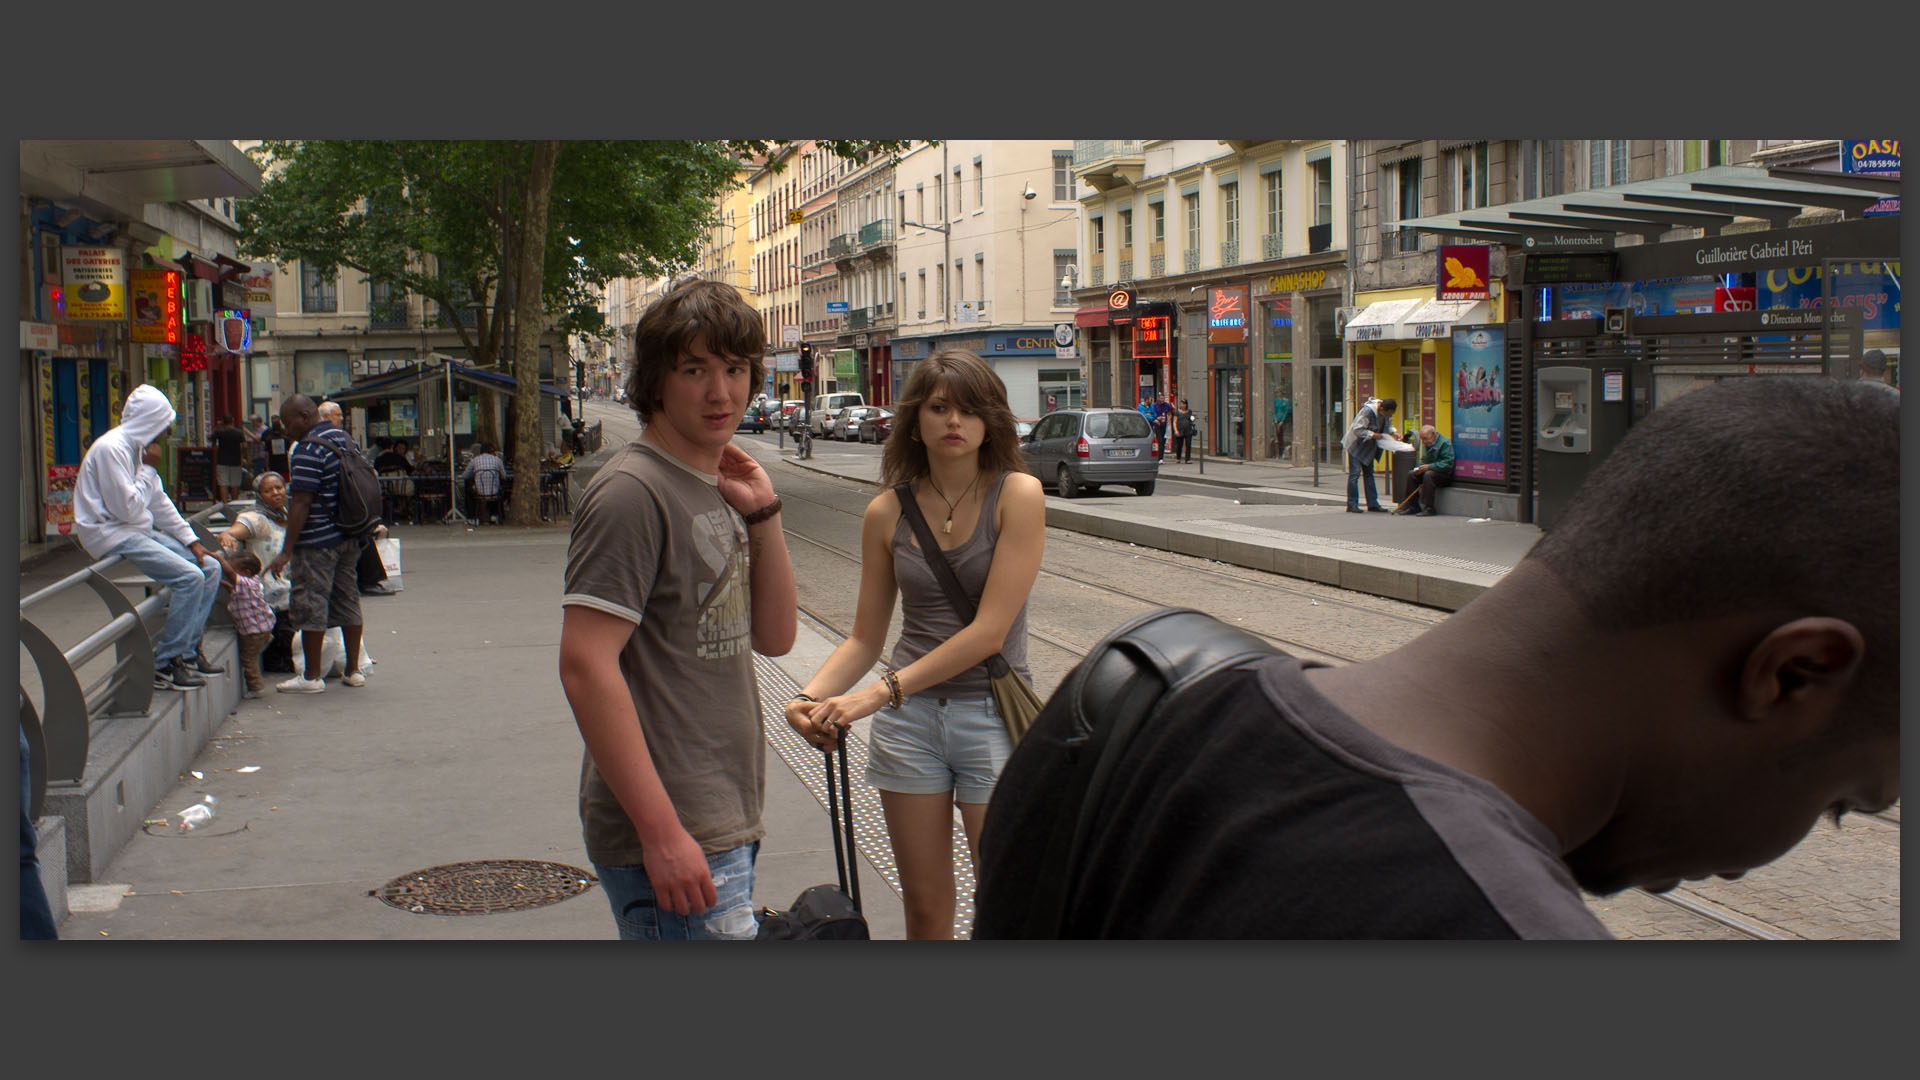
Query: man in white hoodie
[(120, 507)]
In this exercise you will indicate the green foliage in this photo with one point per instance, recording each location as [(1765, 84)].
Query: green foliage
[(439, 218)]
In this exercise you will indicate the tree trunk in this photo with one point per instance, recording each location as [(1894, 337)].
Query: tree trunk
[(529, 319)]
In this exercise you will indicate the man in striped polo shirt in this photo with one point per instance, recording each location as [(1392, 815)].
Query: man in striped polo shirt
[(326, 587)]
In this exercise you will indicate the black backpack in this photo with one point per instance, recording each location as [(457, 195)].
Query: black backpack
[(1121, 685), (358, 510)]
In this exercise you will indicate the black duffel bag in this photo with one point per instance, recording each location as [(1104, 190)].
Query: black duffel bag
[(826, 912)]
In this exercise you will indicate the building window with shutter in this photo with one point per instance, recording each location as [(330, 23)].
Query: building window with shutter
[(1062, 281), (1276, 219), (319, 292), (1323, 192), (1063, 176), (1409, 184)]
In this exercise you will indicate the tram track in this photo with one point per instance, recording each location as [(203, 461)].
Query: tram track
[(1298, 649)]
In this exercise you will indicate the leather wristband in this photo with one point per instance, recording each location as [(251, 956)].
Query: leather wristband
[(763, 513)]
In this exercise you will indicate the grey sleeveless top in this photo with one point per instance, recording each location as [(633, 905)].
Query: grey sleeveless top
[(927, 617)]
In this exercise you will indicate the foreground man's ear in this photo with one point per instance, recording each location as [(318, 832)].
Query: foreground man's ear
[(1800, 671)]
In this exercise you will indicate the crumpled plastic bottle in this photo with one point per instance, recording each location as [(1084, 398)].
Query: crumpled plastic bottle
[(199, 814)]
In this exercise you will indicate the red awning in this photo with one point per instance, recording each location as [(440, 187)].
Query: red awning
[(1090, 316)]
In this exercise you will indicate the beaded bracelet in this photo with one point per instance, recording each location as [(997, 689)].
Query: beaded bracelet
[(894, 696)]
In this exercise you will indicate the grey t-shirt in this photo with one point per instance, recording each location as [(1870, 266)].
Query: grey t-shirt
[(927, 617), (654, 543)]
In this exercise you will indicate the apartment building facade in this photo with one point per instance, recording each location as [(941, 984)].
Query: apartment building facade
[(975, 262), (1233, 254)]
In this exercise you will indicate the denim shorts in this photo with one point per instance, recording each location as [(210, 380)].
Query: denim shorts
[(731, 918), (931, 745)]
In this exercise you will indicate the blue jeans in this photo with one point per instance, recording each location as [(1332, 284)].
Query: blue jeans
[(731, 918), (1361, 465), (194, 585), (36, 915)]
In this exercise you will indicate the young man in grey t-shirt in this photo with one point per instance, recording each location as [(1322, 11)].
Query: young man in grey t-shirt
[(677, 572)]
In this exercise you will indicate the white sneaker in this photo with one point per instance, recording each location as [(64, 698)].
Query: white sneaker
[(300, 684), (354, 678)]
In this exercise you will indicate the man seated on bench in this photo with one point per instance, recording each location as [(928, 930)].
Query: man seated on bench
[(1434, 472), (120, 507)]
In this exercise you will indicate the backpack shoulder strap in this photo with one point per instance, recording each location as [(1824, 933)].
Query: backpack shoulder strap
[(1113, 692)]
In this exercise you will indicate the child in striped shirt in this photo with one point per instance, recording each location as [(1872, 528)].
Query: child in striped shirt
[(252, 618)]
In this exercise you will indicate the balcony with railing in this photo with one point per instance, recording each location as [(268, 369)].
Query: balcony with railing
[(1229, 252), (1270, 246), (1099, 161), (1190, 259), (390, 314), (840, 247), (873, 234), (860, 319)]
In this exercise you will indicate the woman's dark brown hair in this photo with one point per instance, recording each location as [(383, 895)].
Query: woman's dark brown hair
[(694, 308), (968, 384)]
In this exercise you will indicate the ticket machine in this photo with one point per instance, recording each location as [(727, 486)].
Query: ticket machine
[(1581, 411)]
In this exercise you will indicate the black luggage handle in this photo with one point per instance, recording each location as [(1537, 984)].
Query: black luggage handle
[(840, 812)]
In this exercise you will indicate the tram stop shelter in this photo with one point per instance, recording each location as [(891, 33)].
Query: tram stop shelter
[(1634, 294)]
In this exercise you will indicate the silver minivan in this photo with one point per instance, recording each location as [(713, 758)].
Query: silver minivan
[(821, 413), (1076, 450)]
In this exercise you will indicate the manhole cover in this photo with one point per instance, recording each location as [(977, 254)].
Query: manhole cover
[(484, 888)]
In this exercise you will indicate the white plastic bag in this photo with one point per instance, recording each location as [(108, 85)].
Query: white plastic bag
[(389, 549), (333, 654)]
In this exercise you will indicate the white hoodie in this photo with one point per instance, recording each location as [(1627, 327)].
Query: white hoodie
[(118, 495)]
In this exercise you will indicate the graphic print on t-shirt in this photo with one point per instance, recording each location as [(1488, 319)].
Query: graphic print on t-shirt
[(725, 623)]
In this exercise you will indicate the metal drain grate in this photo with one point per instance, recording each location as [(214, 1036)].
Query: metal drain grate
[(484, 888), (869, 821)]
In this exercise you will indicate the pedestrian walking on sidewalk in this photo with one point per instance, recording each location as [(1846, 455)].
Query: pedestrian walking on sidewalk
[(120, 507), (1185, 426), (677, 573), (252, 618), (1649, 697), (937, 739), (1371, 424), (326, 587)]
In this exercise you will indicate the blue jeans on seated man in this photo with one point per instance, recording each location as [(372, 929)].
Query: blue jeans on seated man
[(195, 585), (1361, 465), (731, 918)]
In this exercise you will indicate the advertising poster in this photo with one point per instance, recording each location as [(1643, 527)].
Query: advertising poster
[(463, 418), (95, 280), (157, 314), (1463, 272), (403, 417), (1666, 296), (1479, 406), (1871, 288), (60, 482), (1873, 157)]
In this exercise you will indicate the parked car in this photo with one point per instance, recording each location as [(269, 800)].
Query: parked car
[(850, 423), (755, 419), (1023, 425), (877, 426), (1077, 450), (787, 409), (826, 407)]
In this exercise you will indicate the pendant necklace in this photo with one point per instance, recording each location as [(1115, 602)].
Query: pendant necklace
[(948, 527)]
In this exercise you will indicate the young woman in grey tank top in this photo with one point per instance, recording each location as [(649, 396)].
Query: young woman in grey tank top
[(953, 440)]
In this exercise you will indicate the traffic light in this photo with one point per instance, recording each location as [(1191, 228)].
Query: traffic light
[(806, 363)]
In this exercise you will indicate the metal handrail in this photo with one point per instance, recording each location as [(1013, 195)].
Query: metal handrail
[(60, 739)]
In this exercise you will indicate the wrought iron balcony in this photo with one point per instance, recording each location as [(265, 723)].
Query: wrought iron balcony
[(1125, 270), (860, 318), (1099, 161), (840, 247), (388, 315), (1190, 258), (1229, 252), (466, 316), (875, 233), (1270, 246), (1157, 266)]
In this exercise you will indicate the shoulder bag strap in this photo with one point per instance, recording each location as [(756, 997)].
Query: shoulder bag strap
[(942, 569)]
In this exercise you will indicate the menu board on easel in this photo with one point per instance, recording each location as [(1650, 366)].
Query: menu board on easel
[(195, 472)]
